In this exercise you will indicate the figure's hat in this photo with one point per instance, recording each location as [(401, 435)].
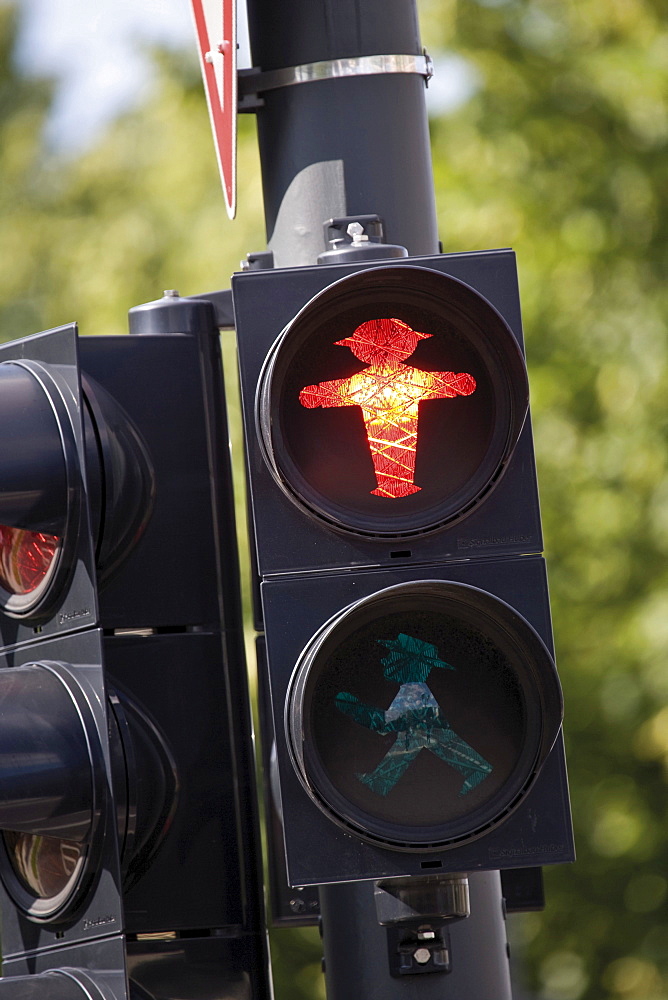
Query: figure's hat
[(387, 334), (405, 651)]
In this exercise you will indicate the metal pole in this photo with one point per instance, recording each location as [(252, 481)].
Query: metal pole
[(356, 952), (342, 146), (339, 146)]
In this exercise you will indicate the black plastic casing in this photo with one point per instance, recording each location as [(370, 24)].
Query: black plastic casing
[(97, 911), (85, 930), (537, 832), (71, 603), (180, 583), (310, 570), (290, 541), (169, 576), (34, 976), (165, 623)]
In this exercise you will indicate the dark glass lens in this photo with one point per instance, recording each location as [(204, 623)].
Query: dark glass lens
[(392, 402), (26, 559), (413, 743), (421, 714), (46, 866)]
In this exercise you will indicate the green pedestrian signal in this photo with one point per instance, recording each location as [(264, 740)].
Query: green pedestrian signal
[(415, 717)]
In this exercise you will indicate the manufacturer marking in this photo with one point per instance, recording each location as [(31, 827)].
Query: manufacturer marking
[(72, 616), (98, 922), (526, 852), (479, 543)]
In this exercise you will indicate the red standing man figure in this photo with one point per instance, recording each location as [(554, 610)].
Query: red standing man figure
[(389, 393)]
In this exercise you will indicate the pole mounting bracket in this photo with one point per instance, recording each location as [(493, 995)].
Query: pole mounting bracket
[(254, 82)]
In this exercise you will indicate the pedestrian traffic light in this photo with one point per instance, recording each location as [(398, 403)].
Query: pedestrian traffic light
[(128, 852), (415, 705), (365, 459)]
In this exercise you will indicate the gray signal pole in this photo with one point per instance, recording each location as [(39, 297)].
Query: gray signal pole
[(343, 132), (341, 145)]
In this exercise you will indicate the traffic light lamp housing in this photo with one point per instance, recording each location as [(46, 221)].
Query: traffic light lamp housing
[(59, 857), (417, 719), (47, 562), (311, 465), (385, 313), (127, 802), (414, 701)]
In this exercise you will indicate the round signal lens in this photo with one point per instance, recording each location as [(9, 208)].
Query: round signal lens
[(420, 716), (391, 404), (27, 560), (47, 868)]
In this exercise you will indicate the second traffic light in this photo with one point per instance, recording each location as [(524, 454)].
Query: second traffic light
[(415, 705), (127, 809)]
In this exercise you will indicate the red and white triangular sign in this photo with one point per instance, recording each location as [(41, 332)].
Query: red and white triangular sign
[(216, 28)]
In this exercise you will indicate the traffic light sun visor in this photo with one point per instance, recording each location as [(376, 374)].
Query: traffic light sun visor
[(39, 502), (42, 492)]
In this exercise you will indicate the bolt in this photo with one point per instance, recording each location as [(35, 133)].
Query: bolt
[(356, 231), (297, 905), (171, 293), (422, 955)]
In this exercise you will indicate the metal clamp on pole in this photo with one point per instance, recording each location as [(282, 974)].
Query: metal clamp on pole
[(354, 238), (416, 913), (253, 82)]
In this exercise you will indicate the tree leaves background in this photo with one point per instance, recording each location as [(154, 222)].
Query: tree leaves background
[(561, 153)]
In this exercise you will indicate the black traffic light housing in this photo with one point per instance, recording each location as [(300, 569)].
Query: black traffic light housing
[(297, 527), (415, 705), (59, 858), (502, 699), (124, 668), (60, 864), (47, 569)]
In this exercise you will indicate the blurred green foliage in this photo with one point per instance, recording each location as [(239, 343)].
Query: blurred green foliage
[(561, 152)]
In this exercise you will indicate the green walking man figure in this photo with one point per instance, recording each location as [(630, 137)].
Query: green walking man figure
[(416, 718)]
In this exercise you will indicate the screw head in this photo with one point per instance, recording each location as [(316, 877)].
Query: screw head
[(422, 955)]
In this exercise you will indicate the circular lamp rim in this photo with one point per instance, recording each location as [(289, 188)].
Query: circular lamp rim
[(60, 906), (537, 678), (508, 375)]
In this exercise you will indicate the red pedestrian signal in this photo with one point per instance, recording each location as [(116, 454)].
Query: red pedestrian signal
[(393, 401), (389, 394)]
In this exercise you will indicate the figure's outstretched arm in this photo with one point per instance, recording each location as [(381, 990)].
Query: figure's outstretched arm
[(366, 715), (334, 393), (445, 385)]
